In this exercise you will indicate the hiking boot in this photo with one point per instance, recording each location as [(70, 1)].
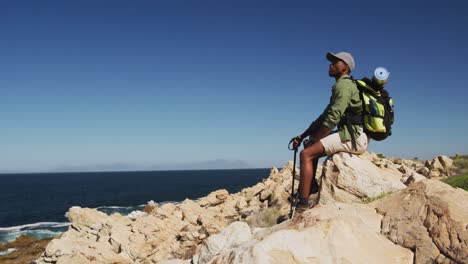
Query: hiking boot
[(314, 189), (301, 208)]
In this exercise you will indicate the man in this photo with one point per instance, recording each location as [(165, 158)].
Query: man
[(344, 109)]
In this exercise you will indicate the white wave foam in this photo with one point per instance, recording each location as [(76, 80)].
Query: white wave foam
[(114, 207), (39, 234), (6, 252), (136, 214), (35, 225), (64, 224)]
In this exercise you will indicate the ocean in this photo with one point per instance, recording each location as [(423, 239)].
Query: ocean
[(35, 204)]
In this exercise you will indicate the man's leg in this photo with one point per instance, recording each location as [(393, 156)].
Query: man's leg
[(309, 160)]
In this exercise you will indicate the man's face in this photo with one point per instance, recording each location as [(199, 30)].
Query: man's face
[(337, 68)]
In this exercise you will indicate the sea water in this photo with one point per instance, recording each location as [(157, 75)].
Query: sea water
[(36, 204)]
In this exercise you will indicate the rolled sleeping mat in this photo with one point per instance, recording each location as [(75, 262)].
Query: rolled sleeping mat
[(381, 76)]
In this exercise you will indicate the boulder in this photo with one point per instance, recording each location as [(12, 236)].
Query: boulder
[(326, 234), (86, 219), (250, 192), (231, 236), (150, 207), (428, 218), (424, 171), (414, 177), (440, 166), (191, 211), (214, 198), (446, 162), (351, 178), (166, 210)]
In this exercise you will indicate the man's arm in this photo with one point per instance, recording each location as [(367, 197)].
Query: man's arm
[(313, 127), (334, 112), (321, 133)]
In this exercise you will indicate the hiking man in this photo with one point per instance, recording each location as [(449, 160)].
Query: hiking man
[(345, 104)]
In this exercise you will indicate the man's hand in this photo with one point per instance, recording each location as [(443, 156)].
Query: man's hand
[(296, 141)]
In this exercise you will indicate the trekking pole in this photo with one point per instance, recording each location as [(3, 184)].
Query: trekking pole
[(293, 200)]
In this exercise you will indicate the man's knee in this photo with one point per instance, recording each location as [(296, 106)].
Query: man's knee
[(302, 155), (306, 155)]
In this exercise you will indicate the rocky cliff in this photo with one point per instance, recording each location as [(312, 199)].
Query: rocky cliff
[(417, 220)]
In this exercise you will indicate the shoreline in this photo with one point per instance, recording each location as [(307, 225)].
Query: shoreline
[(24, 249)]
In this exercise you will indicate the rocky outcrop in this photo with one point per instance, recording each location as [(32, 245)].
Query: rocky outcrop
[(440, 166), (431, 219), (167, 231), (232, 236), (340, 228), (352, 178), (332, 233)]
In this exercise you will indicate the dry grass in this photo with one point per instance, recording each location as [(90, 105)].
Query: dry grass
[(265, 218), (375, 198)]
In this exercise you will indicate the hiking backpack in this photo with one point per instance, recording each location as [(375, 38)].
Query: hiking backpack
[(377, 109)]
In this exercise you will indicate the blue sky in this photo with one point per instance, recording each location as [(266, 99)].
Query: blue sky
[(150, 82)]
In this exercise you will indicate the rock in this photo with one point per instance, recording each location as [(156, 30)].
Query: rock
[(212, 223), (414, 177), (231, 236), (322, 235), (446, 162), (175, 261), (405, 169), (265, 195), (214, 198), (166, 210), (288, 168), (429, 219), (440, 166), (434, 174), (191, 211), (241, 203), (249, 210), (424, 171), (87, 219), (251, 192), (273, 170), (150, 207), (350, 178), (436, 165)]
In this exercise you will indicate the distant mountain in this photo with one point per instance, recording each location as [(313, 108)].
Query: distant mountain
[(217, 164)]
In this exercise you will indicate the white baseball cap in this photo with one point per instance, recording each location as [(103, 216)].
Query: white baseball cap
[(344, 56)]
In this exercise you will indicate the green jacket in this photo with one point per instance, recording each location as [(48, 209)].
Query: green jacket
[(345, 94)]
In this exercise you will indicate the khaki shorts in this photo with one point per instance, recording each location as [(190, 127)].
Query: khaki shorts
[(332, 144)]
